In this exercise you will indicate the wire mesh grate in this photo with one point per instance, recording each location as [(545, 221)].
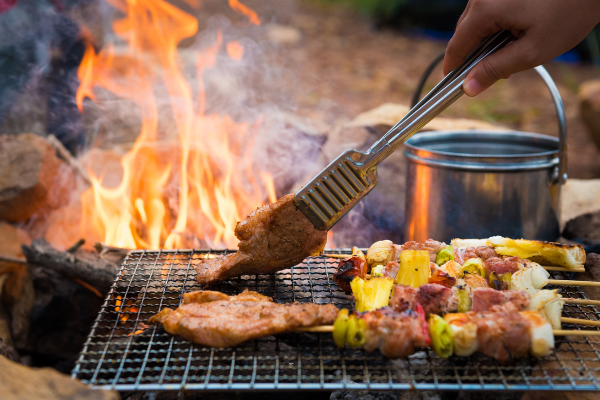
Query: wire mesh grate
[(122, 352)]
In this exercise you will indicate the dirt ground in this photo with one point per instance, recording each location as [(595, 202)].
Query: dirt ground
[(344, 66)]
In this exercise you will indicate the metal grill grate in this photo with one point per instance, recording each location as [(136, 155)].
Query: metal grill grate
[(124, 353)]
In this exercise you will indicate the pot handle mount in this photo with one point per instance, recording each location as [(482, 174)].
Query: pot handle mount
[(561, 172)]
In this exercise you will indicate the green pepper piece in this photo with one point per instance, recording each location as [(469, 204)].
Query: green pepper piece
[(357, 332), (464, 300), (446, 254), (441, 336), (340, 328), (474, 266)]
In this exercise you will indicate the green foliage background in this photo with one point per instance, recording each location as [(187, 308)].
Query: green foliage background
[(379, 9)]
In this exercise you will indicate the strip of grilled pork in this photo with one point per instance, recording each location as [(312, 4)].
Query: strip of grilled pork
[(218, 320), (274, 237)]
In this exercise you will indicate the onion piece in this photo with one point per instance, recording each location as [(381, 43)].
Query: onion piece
[(522, 280)]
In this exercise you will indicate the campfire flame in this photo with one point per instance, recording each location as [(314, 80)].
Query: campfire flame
[(193, 192)]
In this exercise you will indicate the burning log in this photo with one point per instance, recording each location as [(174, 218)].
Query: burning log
[(104, 249), (20, 382), (29, 168), (88, 267)]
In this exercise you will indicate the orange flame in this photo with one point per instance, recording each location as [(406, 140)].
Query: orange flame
[(210, 165), (235, 50), (242, 9), (143, 328)]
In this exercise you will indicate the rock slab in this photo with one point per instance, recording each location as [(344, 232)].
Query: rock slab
[(19, 382), (29, 166)]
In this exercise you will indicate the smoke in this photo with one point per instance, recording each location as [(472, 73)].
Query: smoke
[(251, 88)]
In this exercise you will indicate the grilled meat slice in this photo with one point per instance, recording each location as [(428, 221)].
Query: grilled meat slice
[(483, 252), (274, 237), (391, 269), (485, 298), (395, 334), (503, 265), (502, 335), (218, 320), (348, 269), (404, 298), (433, 298)]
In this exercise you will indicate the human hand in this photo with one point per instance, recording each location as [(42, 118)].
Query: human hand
[(544, 30)]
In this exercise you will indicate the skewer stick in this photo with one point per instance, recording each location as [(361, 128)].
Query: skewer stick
[(564, 269), (322, 328), (578, 321), (567, 282), (548, 268), (561, 332), (582, 301)]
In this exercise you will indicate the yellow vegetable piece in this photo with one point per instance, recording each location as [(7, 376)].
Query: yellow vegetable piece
[(356, 335), (414, 268), (464, 300), (340, 328), (377, 271), (474, 266), (441, 336), (372, 294)]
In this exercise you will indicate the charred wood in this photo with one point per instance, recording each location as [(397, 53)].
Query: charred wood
[(89, 267), (106, 250)]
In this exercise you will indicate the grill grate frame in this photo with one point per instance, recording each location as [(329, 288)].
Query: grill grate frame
[(123, 353)]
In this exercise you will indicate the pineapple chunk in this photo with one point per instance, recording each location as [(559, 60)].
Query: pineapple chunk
[(414, 268), (372, 294)]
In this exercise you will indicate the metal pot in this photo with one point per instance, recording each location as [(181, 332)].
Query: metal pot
[(478, 183)]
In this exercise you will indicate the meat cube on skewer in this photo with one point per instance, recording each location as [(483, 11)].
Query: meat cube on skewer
[(485, 298), (274, 237), (438, 299), (404, 298), (433, 298), (218, 320), (395, 334)]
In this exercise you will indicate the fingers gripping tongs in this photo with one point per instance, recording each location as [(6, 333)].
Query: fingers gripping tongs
[(351, 176)]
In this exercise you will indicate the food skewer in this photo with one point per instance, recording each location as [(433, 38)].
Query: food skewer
[(555, 282), (396, 333), (584, 302), (556, 332), (546, 267)]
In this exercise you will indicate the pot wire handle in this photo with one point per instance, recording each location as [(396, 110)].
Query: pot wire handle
[(562, 174), (446, 92)]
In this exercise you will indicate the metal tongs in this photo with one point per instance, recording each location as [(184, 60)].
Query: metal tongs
[(351, 176)]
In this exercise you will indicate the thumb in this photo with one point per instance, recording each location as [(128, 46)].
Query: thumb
[(511, 59)]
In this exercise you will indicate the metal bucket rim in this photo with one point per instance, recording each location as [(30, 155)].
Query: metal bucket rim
[(471, 132)]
